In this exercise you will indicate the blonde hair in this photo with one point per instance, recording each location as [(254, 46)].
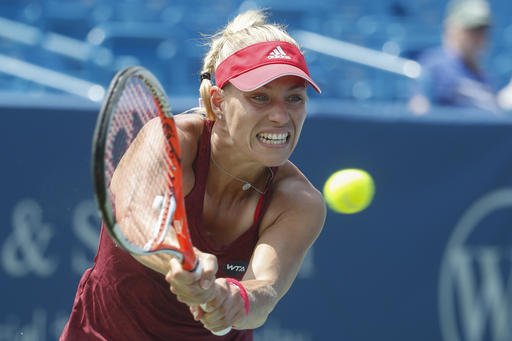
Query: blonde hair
[(246, 29)]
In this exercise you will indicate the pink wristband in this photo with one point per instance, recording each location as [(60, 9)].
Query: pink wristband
[(243, 293)]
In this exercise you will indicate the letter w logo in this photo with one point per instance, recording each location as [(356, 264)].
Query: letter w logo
[(482, 283), (237, 268)]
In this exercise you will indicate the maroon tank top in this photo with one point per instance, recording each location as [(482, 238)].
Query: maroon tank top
[(120, 299)]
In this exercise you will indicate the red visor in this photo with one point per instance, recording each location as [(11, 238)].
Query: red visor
[(258, 64)]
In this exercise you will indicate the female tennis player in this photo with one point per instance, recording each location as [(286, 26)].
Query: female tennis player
[(252, 214)]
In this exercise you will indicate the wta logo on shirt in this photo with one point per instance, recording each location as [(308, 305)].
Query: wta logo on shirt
[(235, 269)]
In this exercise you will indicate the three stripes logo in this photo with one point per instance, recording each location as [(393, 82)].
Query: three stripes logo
[(278, 53)]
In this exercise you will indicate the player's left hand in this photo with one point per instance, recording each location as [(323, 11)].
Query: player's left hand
[(224, 310)]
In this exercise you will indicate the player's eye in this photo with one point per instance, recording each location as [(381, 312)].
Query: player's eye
[(293, 99), (260, 98)]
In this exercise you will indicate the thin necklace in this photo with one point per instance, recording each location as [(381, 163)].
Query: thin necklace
[(246, 184)]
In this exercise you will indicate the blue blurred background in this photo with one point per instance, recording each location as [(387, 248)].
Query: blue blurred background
[(90, 40), (430, 259)]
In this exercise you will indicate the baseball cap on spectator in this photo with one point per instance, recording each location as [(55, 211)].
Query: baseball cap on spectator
[(468, 13)]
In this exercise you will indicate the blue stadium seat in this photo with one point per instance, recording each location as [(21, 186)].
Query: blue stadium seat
[(165, 36)]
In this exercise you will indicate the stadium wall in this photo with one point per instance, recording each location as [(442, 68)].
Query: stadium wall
[(430, 259)]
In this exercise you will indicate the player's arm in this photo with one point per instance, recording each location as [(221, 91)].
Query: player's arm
[(123, 174), (277, 257)]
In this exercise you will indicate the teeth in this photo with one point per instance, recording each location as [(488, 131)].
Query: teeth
[(273, 138)]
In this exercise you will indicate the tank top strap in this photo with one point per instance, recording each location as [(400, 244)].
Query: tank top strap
[(264, 199), (202, 160), (200, 166)]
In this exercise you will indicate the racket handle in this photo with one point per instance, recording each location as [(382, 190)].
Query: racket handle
[(222, 332)]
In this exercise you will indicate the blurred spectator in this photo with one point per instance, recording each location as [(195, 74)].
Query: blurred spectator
[(452, 74), (505, 97)]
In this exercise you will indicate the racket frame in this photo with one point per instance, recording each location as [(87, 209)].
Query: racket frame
[(106, 207)]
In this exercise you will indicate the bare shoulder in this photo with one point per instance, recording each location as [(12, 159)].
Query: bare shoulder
[(292, 183), (190, 123), (295, 201), (190, 126)]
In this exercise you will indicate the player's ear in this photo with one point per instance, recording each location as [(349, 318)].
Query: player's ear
[(216, 98)]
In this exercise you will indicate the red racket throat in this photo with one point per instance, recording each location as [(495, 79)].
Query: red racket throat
[(175, 178)]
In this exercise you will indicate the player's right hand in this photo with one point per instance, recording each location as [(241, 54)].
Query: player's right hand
[(193, 287)]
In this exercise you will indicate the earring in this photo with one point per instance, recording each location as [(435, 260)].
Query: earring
[(219, 116)]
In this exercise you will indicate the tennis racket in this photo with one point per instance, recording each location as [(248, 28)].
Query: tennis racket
[(136, 158)]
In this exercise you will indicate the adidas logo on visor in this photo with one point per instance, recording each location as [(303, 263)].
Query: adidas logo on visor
[(278, 53)]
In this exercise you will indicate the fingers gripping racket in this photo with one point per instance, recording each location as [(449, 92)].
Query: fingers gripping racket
[(136, 159)]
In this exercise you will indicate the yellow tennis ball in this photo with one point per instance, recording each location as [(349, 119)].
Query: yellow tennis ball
[(349, 190)]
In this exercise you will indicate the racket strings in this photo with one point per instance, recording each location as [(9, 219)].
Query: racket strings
[(149, 103), (150, 225), (123, 122)]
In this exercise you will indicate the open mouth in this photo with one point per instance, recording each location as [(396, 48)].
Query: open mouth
[(273, 139)]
